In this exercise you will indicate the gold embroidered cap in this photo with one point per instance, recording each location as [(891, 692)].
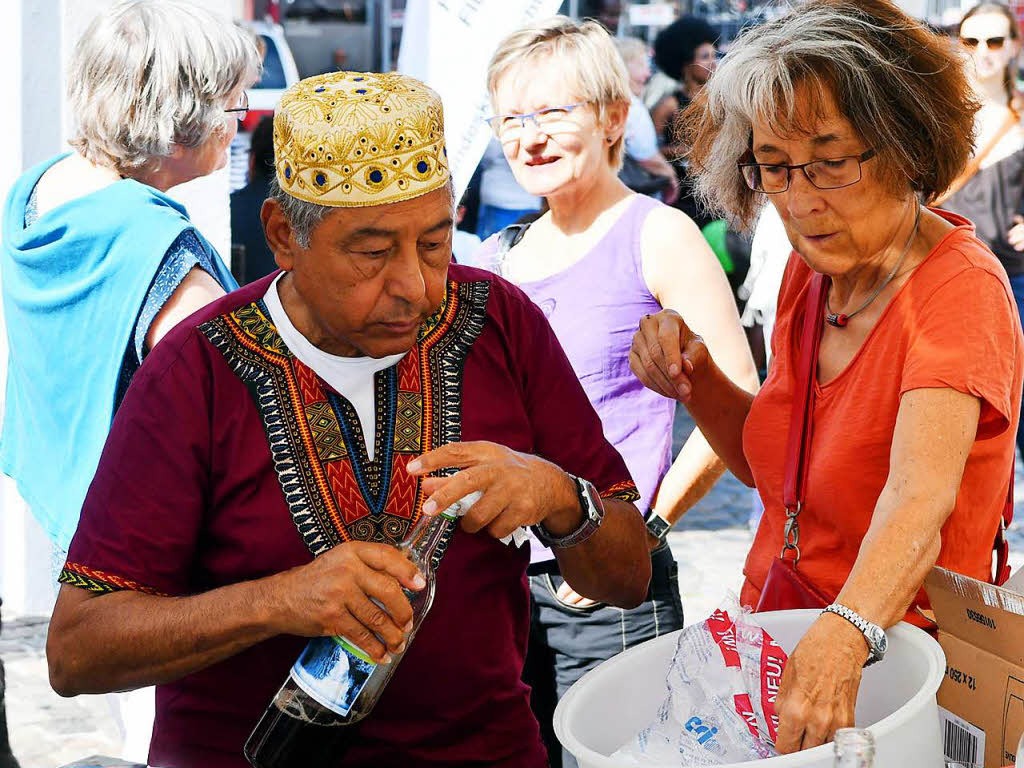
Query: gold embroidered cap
[(359, 138)]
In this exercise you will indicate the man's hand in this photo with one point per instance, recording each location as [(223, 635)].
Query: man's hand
[(518, 489), (355, 591), (819, 688)]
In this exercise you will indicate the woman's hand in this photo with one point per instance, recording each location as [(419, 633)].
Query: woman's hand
[(667, 355), (671, 193), (569, 596), (819, 688)]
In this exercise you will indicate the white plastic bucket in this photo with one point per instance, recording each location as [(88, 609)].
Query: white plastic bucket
[(613, 702)]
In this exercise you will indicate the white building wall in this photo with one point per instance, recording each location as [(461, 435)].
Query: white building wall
[(31, 131)]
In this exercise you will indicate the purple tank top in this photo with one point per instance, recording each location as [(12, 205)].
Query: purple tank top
[(594, 307)]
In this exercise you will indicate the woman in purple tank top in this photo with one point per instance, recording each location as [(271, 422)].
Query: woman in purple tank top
[(598, 261)]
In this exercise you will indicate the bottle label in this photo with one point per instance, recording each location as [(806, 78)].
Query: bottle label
[(333, 671)]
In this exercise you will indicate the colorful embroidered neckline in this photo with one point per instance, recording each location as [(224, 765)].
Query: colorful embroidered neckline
[(333, 491)]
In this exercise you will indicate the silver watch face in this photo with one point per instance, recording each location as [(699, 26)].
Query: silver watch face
[(878, 639), (595, 508), (657, 526)]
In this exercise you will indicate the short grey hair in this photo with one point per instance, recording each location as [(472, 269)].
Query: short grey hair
[(588, 57), (304, 217), (902, 87), (150, 74)]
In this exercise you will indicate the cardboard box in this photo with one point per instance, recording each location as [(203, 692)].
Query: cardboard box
[(981, 700)]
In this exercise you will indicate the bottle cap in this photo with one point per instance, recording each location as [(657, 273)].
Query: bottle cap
[(461, 507)]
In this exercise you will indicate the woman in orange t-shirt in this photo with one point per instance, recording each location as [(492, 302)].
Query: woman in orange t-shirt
[(845, 116)]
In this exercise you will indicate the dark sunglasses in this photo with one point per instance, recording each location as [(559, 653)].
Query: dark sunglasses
[(992, 43)]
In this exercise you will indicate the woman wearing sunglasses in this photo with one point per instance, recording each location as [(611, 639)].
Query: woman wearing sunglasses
[(882, 441), (990, 190)]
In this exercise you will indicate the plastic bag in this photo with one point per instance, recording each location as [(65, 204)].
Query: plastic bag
[(720, 706)]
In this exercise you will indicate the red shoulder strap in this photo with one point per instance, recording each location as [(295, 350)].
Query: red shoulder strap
[(1002, 546), (803, 396)]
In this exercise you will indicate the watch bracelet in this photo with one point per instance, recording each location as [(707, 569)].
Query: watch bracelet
[(863, 626), (587, 527)]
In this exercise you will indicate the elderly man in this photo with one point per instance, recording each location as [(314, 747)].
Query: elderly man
[(277, 444)]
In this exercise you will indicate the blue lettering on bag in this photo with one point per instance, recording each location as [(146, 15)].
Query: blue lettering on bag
[(703, 733)]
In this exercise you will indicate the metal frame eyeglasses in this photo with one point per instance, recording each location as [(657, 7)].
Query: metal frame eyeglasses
[(511, 125), (830, 173), (240, 112)]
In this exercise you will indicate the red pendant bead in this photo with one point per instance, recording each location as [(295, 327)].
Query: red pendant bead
[(837, 320)]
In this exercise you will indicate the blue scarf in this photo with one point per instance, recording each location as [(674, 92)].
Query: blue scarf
[(73, 285)]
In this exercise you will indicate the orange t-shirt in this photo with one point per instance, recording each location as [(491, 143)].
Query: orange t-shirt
[(953, 324)]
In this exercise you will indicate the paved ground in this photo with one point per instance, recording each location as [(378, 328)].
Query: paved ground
[(47, 731)]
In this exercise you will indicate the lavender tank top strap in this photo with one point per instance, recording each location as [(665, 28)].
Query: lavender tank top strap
[(635, 217)]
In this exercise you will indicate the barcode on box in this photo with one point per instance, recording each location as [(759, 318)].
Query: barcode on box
[(961, 741)]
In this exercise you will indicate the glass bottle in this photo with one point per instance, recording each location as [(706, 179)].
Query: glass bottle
[(854, 748), (334, 683)]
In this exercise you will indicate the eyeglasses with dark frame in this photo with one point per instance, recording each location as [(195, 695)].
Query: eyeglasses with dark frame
[(510, 127), (241, 111), (830, 173), (992, 43)]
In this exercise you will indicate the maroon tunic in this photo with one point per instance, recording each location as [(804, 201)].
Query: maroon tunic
[(230, 460)]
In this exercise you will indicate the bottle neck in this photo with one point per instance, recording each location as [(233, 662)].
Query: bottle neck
[(424, 537), (855, 761), (854, 748)]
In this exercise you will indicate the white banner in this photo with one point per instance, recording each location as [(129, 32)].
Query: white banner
[(448, 44), (652, 15)]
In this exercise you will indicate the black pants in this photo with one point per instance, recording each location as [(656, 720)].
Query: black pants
[(6, 756), (566, 641)]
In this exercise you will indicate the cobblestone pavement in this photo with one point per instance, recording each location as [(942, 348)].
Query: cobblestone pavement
[(710, 544), (46, 730)]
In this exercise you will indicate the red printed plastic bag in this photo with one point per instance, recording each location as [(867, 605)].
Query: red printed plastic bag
[(722, 686)]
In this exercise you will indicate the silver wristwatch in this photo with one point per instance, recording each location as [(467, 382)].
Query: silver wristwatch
[(874, 635), (593, 514)]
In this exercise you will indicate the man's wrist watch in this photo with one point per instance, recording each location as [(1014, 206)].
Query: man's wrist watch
[(874, 635), (657, 525), (593, 514)]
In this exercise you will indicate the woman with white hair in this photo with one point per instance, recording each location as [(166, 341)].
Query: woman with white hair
[(596, 262), (98, 262), (882, 441)]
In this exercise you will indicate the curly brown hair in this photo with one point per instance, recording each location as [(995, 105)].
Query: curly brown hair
[(903, 88)]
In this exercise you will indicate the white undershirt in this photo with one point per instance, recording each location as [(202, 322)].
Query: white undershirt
[(351, 377)]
